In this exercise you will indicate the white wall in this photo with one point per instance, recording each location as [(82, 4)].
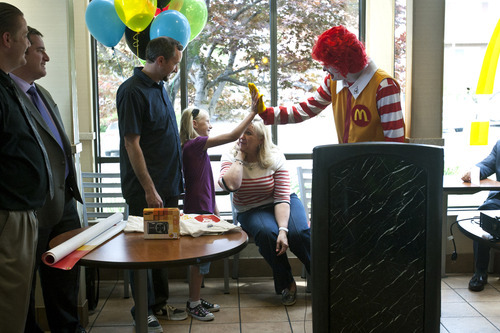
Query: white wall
[(62, 22)]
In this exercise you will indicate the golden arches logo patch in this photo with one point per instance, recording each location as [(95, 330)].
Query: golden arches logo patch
[(490, 61), (361, 116)]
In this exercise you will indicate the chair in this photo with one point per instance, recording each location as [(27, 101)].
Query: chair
[(304, 176), (102, 197)]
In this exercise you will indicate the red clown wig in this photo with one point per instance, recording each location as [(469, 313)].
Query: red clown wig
[(339, 48)]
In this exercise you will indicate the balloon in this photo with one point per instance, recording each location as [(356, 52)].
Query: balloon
[(137, 41), (171, 24), (103, 22), (162, 3), (195, 11), (136, 14), (159, 10), (176, 5)]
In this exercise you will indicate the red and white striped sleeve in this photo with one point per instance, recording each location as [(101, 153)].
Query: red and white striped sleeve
[(281, 186), (390, 112), (302, 111), (281, 180)]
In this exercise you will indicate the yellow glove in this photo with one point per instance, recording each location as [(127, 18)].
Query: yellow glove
[(254, 91)]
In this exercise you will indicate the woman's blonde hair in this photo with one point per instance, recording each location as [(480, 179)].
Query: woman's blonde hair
[(266, 148), (187, 131)]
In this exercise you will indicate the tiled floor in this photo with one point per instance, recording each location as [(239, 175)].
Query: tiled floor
[(252, 306), (468, 312)]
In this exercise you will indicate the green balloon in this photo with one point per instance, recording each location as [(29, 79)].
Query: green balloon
[(195, 11)]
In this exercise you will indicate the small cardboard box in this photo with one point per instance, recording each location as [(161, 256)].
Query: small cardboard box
[(161, 223)]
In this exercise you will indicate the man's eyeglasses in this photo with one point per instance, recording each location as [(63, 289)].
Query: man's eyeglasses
[(195, 113)]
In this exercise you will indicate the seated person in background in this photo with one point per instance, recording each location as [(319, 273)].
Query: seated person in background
[(490, 165), (255, 171)]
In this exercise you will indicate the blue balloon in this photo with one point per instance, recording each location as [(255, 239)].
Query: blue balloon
[(173, 24), (103, 22)]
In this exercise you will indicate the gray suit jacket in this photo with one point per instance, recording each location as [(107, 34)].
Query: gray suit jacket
[(52, 211)]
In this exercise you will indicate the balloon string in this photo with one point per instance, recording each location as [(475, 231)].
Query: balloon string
[(136, 43)]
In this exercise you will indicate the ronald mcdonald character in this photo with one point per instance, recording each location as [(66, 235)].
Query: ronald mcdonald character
[(365, 99)]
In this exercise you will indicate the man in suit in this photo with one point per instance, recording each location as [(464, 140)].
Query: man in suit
[(25, 177), (487, 167), (59, 214)]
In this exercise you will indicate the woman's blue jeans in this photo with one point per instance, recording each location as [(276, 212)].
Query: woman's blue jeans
[(261, 224)]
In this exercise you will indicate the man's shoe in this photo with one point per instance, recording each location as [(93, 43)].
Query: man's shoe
[(80, 329), (153, 325), (478, 281), (169, 312), (210, 306)]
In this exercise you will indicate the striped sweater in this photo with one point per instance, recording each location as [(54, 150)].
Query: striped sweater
[(260, 186), (388, 104)]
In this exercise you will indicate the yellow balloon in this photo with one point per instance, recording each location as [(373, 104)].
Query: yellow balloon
[(135, 14), (176, 5)]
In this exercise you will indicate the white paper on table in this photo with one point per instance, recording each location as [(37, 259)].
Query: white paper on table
[(134, 224), (475, 175), (63, 249)]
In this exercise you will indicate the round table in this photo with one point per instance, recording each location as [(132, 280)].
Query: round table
[(132, 251), (470, 227)]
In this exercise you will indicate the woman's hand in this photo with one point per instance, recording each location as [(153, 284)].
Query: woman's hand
[(281, 243)]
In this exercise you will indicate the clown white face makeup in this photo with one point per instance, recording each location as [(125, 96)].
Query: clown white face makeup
[(334, 73)]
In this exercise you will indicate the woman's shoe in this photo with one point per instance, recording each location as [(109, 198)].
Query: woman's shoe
[(199, 312), (288, 297), (210, 306)]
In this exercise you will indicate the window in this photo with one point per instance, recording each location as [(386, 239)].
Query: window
[(232, 50), (235, 48), (464, 50), (465, 47)]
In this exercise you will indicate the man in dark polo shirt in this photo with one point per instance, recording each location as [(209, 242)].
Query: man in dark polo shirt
[(150, 153), (25, 178)]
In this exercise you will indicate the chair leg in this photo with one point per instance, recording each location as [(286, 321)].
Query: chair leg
[(308, 283), (226, 275), (126, 283), (304, 272)]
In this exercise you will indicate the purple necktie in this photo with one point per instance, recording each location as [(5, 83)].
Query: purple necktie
[(35, 97)]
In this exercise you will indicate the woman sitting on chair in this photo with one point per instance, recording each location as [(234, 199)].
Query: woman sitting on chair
[(255, 171)]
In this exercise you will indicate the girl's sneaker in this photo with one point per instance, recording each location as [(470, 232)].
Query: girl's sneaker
[(199, 312), (209, 306)]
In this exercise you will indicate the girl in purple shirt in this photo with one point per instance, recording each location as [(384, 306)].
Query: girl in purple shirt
[(199, 195)]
